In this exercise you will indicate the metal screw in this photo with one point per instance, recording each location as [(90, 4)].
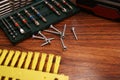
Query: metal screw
[(37, 37), (47, 40), (51, 26), (42, 35), (44, 44), (63, 44), (53, 32), (63, 33), (74, 33)]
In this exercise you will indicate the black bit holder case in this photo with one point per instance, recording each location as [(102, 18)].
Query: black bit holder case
[(50, 16)]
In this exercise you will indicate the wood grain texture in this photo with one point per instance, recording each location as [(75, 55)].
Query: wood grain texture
[(95, 56)]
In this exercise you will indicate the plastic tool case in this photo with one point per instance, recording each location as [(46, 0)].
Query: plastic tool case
[(106, 8), (44, 10)]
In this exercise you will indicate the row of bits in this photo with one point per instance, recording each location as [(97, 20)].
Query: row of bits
[(59, 5)]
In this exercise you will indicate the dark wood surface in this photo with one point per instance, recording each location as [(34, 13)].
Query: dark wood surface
[(95, 56)]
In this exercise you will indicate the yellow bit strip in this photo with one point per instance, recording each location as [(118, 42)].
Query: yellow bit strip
[(6, 78), (35, 60), (57, 64), (22, 59), (15, 58), (0, 51), (24, 74), (14, 79), (9, 57), (0, 78), (28, 60), (42, 61), (49, 63), (3, 55)]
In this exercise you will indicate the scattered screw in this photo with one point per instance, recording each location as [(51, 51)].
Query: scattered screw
[(49, 31), (63, 33), (52, 27), (42, 35), (74, 33), (63, 44), (37, 37), (44, 44), (47, 40)]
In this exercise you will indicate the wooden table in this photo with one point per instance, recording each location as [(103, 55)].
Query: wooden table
[(95, 56)]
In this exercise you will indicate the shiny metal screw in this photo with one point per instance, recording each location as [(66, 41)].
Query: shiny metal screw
[(47, 40), (53, 32), (52, 27), (63, 44), (63, 33), (74, 33), (42, 35), (37, 37)]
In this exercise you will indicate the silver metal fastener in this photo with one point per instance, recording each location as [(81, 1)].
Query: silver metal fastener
[(53, 32), (63, 44), (74, 33), (63, 33), (37, 37), (52, 27)]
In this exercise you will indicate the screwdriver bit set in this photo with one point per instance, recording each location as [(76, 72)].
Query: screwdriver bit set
[(17, 65), (22, 23)]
